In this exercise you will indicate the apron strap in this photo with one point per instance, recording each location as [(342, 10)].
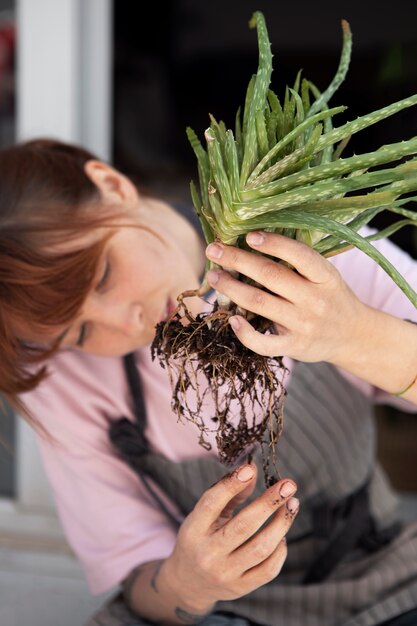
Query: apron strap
[(136, 393), (128, 437)]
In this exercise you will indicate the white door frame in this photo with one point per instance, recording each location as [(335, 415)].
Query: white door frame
[(64, 86)]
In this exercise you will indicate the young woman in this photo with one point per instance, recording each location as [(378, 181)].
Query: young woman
[(88, 267)]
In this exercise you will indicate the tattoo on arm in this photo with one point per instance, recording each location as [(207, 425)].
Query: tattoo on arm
[(127, 587), (128, 583), (188, 618), (155, 576)]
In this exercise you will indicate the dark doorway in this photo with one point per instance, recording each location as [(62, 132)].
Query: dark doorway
[(178, 60)]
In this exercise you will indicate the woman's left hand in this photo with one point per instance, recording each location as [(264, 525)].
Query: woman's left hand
[(314, 312)]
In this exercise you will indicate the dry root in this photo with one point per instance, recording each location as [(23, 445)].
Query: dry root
[(203, 356)]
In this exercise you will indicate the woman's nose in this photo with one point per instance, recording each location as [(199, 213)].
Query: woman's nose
[(123, 318)]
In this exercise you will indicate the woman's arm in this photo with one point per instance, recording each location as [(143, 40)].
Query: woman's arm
[(148, 596), (389, 360), (317, 317), (217, 556)]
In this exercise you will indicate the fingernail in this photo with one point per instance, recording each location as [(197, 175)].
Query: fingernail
[(287, 489), (245, 473), (214, 251), (255, 238), (213, 276), (234, 322), (292, 505)]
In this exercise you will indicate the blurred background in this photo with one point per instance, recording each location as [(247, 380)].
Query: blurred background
[(125, 78)]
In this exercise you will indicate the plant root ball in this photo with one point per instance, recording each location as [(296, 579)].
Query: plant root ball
[(203, 356)]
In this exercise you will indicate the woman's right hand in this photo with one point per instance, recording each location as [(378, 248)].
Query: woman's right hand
[(219, 556)]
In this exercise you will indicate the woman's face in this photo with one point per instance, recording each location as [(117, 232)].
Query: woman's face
[(143, 268), (139, 277)]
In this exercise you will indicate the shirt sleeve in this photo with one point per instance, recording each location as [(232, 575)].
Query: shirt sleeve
[(375, 287), (110, 520)]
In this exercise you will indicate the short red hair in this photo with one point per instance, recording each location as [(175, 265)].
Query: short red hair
[(46, 198)]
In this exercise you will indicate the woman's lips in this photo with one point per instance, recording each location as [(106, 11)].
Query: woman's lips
[(168, 310)]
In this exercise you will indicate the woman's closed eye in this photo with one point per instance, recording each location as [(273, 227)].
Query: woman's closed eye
[(102, 283), (104, 278), (82, 335)]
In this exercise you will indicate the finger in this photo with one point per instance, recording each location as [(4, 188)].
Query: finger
[(241, 497), (299, 255), (273, 275), (306, 261), (252, 298), (216, 499), (250, 519), (268, 569), (265, 345), (264, 543)]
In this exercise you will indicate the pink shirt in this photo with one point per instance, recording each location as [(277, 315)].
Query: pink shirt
[(107, 515)]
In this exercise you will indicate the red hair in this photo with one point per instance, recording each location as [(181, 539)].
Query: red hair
[(46, 199)]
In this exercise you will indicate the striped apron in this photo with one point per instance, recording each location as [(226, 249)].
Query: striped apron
[(349, 562)]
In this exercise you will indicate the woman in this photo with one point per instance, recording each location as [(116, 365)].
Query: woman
[(89, 266)]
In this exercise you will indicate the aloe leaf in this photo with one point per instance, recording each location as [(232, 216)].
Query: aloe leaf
[(207, 230), (232, 160), (381, 234), (283, 166), (327, 154), (239, 137), (299, 118), (246, 108), (203, 163), (330, 242), (340, 73), (277, 111), (385, 154), (301, 128), (289, 110), (343, 207), (305, 95), (350, 128), (323, 192), (339, 149), (219, 130), (412, 215), (218, 170), (260, 91), (390, 230), (216, 220), (271, 129), (261, 133)]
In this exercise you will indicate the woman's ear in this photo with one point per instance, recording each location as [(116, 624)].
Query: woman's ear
[(114, 187)]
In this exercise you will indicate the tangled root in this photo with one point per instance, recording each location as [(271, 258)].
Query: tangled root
[(245, 387)]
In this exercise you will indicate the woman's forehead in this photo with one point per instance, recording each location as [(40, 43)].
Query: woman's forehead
[(66, 242)]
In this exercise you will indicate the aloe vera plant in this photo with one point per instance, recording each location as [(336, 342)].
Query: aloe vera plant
[(280, 170)]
